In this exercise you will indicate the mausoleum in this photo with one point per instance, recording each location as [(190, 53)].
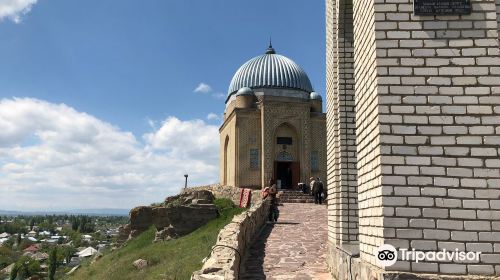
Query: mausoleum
[(274, 126)]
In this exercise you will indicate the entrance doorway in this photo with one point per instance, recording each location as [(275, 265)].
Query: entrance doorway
[(286, 174)]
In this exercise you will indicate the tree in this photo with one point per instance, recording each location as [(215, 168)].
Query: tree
[(27, 267), (22, 266), (50, 219), (32, 224), (52, 263), (18, 239), (75, 223), (66, 253), (13, 272), (76, 238)]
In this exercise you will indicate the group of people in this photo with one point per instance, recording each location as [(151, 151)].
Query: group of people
[(318, 190)]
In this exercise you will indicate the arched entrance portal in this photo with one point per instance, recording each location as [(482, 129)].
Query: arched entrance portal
[(286, 164)]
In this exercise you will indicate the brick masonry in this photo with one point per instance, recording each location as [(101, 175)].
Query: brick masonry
[(341, 129), (427, 115)]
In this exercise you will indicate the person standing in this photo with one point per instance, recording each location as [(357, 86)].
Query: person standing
[(314, 189), (272, 191), (321, 190)]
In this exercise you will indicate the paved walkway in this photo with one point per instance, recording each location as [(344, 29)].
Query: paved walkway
[(293, 248)]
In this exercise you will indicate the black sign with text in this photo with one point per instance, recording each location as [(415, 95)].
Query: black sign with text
[(441, 7)]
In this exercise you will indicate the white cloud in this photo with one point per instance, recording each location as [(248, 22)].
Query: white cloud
[(185, 139), (14, 9), (52, 156), (219, 95), (203, 88), (212, 116)]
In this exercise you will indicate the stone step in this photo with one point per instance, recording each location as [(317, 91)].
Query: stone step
[(299, 200), (299, 197), (295, 195)]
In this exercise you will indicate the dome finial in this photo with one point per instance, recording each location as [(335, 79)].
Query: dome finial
[(270, 49)]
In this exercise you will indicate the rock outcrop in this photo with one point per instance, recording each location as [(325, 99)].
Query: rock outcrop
[(141, 218), (177, 216), (140, 264), (222, 191), (183, 219), (123, 233), (166, 234)]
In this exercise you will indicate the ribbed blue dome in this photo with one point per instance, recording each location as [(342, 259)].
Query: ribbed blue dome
[(270, 70)]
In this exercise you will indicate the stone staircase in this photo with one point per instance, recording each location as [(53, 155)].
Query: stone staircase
[(293, 196)]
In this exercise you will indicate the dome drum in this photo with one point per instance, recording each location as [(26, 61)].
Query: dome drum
[(316, 106), (316, 102), (245, 98)]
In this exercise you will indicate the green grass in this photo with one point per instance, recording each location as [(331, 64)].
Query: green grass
[(174, 259)]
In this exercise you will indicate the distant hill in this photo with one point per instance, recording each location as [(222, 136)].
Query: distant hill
[(90, 212)]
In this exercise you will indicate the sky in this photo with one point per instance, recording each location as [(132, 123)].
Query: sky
[(107, 104)]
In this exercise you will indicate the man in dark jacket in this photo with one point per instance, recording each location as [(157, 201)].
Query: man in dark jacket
[(321, 191), (316, 189)]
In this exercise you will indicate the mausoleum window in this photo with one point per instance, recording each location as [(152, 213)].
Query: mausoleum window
[(254, 158), (314, 161), (284, 140)]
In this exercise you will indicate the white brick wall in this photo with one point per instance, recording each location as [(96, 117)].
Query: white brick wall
[(342, 173), (449, 103), (497, 2), (367, 120), (427, 116)]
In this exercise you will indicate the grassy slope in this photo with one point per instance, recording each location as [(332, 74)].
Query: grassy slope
[(175, 259)]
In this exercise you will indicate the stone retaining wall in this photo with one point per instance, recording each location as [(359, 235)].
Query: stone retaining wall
[(222, 191), (182, 218), (224, 262)]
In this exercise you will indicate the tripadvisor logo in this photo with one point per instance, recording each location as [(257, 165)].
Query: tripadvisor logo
[(387, 255)]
